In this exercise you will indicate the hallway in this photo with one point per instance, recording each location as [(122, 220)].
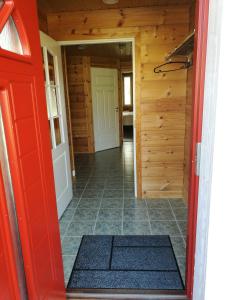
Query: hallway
[(104, 203)]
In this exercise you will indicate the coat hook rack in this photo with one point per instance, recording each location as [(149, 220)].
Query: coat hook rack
[(184, 65)]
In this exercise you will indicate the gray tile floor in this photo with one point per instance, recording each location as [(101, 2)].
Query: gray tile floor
[(104, 203)]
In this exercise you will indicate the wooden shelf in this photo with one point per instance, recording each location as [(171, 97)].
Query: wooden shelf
[(184, 49)]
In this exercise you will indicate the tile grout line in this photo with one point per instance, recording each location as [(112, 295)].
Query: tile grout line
[(183, 275), (177, 222), (122, 231), (62, 239), (75, 208), (100, 204), (149, 220)]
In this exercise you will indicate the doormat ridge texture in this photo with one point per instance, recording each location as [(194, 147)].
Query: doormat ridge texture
[(126, 262)]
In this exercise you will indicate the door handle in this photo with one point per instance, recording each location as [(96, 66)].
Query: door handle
[(117, 109)]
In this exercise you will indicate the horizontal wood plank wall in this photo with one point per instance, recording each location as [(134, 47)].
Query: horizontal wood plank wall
[(104, 62), (188, 117), (126, 66), (78, 69), (160, 99), (79, 83)]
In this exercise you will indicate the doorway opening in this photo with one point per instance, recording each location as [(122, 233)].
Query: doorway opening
[(104, 201), (127, 97), (165, 135), (104, 162)]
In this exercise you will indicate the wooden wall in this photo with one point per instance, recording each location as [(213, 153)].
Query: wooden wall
[(160, 99), (188, 117), (126, 65), (79, 84), (43, 22), (68, 111), (78, 69)]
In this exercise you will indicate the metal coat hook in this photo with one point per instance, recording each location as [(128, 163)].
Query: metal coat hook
[(186, 65)]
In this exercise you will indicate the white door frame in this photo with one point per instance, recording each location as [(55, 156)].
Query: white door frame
[(109, 41), (59, 152)]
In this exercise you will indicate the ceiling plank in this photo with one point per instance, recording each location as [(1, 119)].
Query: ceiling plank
[(57, 6)]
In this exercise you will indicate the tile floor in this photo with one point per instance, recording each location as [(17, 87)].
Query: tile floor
[(104, 203)]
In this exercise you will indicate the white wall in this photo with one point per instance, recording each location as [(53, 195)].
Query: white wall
[(210, 249)]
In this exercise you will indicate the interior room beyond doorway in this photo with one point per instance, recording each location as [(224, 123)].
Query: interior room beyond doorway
[(104, 201)]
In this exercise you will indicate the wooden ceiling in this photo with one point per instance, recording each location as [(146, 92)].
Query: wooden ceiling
[(115, 50), (56, 6)]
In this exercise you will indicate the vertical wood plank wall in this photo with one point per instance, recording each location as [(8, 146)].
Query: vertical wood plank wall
[(188, 116), (78, 69), (160, 99), (79, 84), (68, 111)]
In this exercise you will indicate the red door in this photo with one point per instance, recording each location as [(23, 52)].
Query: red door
[(25, 128)]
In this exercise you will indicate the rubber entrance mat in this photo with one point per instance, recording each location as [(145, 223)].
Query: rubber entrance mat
[(126, 262)]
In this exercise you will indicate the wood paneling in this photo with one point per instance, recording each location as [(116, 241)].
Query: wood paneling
[(43, 22), (159, 99), (78, 69), (114, 50), (56, 6), (126, 65), (79, 83), (67, 25), (104, 62), (68, 111), (88, 102)]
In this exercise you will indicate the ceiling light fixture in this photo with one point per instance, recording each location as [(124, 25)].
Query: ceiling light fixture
[(110, 2)]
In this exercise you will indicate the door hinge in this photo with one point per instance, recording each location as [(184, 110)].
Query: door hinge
[(198, 158)]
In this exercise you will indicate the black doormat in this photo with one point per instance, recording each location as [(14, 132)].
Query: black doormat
[(126, 262)]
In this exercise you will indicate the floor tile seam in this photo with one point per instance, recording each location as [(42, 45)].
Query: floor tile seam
[(96, 220), (149, 220), (69, 255), (62, 237), (74, 236), (122, 231), (72, 218), (158, 208), (163, 220), (177, 223)]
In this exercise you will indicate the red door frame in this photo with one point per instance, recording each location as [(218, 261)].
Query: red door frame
[(201, 33)]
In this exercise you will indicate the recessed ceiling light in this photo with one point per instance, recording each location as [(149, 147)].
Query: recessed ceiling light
[(110, 2)]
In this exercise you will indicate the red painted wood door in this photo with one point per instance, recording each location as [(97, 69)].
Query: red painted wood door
[(25, 123)]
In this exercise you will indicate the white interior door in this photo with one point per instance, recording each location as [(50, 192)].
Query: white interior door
[(52, 62), (104, 84)]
